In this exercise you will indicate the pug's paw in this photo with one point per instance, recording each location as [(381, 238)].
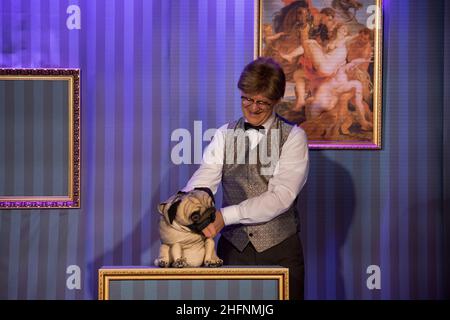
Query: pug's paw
[(180, 263), (214, 263), (162, 263)]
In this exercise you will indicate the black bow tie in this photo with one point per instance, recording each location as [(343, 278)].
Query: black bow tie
[(248, 126)]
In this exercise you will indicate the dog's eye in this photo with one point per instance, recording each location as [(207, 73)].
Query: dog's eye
[(195, 216)]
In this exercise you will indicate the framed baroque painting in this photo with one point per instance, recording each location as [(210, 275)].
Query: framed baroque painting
[(331, 53)]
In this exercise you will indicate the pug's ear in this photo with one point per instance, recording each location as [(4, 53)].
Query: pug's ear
[(164, 206), (161, 207), (208, 191), (172, 212)]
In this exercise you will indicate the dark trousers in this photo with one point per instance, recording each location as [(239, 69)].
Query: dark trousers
[(288, 254)]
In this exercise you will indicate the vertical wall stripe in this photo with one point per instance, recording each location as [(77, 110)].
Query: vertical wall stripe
[(198, 290), (403, 146), (211, 61), (159, 49), (89, 175), (444, 277), (345, 211), (59, 266), (150, 292), (183, 79), (70, 254), (58, 137), (229, 41), (10, 132), (55, 32), (26, 36), (330, 242), (220, 55), (418, 247), (174, 290), (128, 125), (203, 59), (3, 14), (5, 230), (385, 222), (434, 173), (222, 289), (44, 257), (321, 177), (44, 32), (166, 98), (14, 254), (46, 174), (22, 153), (118, 127), (52, 256), (74, 37), (70, 219), (245, 288), (240, 59), (37, 133), (79, 222), (25, 157), (366, 232), (6, 43), (175, 51), (147, 210), (107, 43), (33, 254), (310, 245), (193, 89), (65, 34), (393, 153), (137, 195), (376, 217), (16, 41), (36, 31), (102, 163)]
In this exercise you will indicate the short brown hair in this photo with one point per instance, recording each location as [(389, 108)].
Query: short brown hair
[(263, 76)]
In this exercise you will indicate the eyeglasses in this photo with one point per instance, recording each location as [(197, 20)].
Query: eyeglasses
[(247, 102)]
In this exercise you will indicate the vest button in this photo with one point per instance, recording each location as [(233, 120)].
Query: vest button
[(250, 234)]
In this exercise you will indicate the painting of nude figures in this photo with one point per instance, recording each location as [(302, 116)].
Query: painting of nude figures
[(330, 51)]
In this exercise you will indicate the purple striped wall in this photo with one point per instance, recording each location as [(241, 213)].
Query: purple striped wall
[(149, 67)]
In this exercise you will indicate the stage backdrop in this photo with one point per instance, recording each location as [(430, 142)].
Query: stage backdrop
[(151, 67)]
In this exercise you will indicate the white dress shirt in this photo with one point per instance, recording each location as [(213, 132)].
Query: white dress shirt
[(288, 179)]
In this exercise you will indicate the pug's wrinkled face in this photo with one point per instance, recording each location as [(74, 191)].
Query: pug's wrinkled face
[(187, 209)]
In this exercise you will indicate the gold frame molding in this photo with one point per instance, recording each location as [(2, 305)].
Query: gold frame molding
[(376, 143), (106, 274), (72, 199)]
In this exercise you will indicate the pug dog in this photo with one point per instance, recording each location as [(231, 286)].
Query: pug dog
[(183, 217)]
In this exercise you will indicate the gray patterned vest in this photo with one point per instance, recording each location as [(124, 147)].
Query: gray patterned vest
[(241, 181)]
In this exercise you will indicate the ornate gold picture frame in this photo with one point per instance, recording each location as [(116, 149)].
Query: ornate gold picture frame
[(39, 138), (331, 52), (107, 276)]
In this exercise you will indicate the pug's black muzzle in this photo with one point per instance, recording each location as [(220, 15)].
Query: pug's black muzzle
[(208, 217)]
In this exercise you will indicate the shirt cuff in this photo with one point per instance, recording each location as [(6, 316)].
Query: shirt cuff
[(230, 215)]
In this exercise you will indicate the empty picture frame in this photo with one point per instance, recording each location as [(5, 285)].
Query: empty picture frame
[(39, 138)]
